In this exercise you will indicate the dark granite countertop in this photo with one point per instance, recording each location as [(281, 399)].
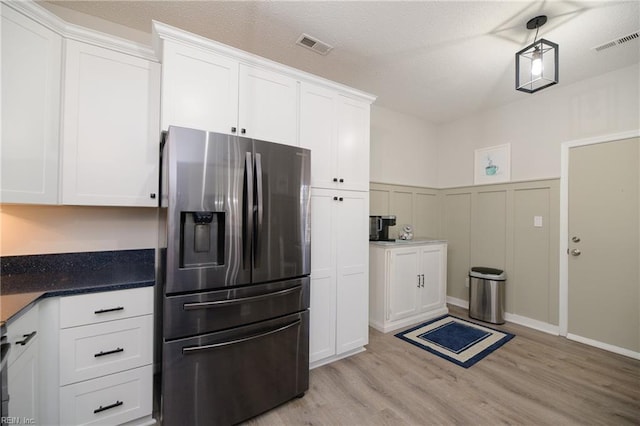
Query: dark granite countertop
[(26, 279)]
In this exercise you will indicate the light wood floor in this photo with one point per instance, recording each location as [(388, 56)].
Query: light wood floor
[(535, 379)]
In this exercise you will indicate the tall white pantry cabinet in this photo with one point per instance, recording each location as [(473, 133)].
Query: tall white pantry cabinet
[(210, 86)]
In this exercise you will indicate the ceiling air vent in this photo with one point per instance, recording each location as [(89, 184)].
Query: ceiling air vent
[(618, 41), (314, 44)]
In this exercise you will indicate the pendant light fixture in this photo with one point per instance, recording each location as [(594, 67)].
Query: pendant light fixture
[(537, 64)]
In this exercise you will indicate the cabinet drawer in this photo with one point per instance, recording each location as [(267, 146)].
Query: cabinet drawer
[(110, 400), (96, 350), (105, 306), (22, 332)]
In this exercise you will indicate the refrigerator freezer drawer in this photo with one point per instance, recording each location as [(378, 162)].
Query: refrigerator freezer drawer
[(230, 376), (193, 314)]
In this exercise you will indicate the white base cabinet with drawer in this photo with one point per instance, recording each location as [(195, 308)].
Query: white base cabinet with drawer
[(408, 284), (99, 349)]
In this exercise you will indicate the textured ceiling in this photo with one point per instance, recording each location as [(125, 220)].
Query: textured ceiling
[(439, 60)]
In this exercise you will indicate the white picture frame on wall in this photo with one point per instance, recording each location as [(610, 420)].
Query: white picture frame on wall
[(492, 164)]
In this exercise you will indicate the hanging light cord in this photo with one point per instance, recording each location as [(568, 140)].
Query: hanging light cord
[(537, 29)]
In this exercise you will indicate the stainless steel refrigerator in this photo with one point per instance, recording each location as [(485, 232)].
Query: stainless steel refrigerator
[(233, 277)]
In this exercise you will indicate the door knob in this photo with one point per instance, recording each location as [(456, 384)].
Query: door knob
[(575, 252), (575, 239)]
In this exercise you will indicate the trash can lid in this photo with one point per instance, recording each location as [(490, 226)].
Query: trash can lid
[(487, 273)]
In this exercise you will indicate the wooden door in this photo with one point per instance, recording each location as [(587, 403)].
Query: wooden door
[(603, 275)]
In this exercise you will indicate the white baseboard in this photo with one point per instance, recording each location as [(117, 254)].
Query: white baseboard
[(513, 318), (605, 346), (458, 302), (532, 323)]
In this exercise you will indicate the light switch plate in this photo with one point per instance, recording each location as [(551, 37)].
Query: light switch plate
[(537, 221)]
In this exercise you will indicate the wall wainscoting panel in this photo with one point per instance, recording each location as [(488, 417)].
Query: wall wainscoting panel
[(511, 226)]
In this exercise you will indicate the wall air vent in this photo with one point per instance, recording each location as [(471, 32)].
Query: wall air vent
[(618, 41), (314, 44)]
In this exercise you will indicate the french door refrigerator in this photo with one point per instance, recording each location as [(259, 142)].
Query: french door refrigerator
[(234, 276)]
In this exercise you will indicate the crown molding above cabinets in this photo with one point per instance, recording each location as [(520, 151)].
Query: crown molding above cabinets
[(75, 32)]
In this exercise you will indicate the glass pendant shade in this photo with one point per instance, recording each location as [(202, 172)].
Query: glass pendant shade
[(537, 66)]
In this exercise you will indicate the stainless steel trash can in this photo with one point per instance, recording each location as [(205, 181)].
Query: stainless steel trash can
[(486, 294)]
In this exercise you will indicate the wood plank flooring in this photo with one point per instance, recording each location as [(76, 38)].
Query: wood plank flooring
[(535, 379)]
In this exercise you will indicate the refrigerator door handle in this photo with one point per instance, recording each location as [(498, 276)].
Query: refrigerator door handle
[(241, 300), (193, 349), (260, 210), (247, 212)]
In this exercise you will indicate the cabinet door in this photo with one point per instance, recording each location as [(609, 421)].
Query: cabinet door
[(31, 66), (110, 128), (433, 266), (268, 106), (318, 132), (23, 384), (404, 283), (199, 89), (353, 144), (352, 251), (322, 323)]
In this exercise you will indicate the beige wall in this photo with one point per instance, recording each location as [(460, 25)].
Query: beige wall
[(404, 149), (411, 205), (30, 229), (491, 225)]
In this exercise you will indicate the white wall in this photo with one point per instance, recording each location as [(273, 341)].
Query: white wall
[(537, 125), (404, 149)]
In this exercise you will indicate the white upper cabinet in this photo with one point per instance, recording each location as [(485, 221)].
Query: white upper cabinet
[(268, 106), (205, 90), (110, 128), (336, 129), (199, 89), (31, 67)]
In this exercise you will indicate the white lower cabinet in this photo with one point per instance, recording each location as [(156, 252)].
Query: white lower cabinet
[(23, 377), (96, 358), (113, 399), (408, 284), (105, 369), (339, 274)]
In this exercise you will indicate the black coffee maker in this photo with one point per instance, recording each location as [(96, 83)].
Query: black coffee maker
[(379, 227)]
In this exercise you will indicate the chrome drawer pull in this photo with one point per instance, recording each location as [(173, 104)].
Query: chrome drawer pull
[(101, 408), (104, 311), (204, 305), (115, 351), (193, 349), (27, 337)]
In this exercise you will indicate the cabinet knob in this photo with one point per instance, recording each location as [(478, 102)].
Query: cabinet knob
[(335, 198), (341, 180), (335, 179), (152, 195), (340, 199), (243, 131), (233, 130)]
